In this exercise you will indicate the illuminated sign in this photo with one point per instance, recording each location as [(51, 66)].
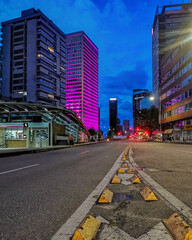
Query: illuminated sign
[(113, 99), (188, 127)]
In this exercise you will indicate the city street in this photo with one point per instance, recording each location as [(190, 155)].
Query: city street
[(37, 200), (39, 192)]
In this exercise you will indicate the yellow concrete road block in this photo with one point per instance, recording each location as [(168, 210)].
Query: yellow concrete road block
[(178, 228), (188, 236), (135, 179), (148, 195), (124, 165), (121, 170), (106, 196), (116, 179), (124, 158), (129, 170), (88, 229)]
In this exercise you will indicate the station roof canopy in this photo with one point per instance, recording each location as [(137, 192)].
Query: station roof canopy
[(48, 113)]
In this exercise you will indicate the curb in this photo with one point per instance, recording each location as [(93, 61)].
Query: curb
[(15, 152)]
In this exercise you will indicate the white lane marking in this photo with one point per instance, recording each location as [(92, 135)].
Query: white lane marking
[(175, 202), (99, 147), (68, 228), (18, 169), (183, 151), (84, 152)]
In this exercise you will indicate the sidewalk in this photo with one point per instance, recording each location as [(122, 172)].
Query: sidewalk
[(6, 152)]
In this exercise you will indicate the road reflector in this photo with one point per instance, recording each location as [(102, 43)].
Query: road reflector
[(124, 165), (88, 229), (121, 170), (116, 179), (148, 195), (124, 158), (178, 228), (129, 170), (135, 179), (106, 196)]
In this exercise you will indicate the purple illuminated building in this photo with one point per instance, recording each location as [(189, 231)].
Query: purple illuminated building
[(82, 78)]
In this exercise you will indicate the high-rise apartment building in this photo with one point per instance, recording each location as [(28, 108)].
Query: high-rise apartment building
[(176, 87), (34, 59), (113, 114), (141, 100), (168, 22), (82, 78)]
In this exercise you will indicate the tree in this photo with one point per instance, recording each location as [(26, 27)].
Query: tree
[(92, 131), (148, 119)]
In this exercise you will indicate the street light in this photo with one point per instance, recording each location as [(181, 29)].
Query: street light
[(152, 98)]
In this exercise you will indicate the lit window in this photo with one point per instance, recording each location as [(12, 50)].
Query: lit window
[(51, 49)]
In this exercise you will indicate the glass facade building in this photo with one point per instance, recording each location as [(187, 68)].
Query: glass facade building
[(168, 23), (82, 78), (176, 87), (140, 101)]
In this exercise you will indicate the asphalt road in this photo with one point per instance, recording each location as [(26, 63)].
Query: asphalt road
[(39, 192), (168, 164)]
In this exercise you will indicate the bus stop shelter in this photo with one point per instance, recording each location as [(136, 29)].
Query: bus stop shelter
[(39, 125)]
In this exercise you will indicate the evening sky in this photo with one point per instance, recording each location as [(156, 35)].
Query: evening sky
[(121, 29)]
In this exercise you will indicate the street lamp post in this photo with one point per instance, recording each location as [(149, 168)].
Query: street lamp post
[(152, 99)]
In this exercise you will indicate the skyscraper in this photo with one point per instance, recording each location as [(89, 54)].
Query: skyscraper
[(34, 59), (113, 114), (82, 78), (140, 101), (168, 22)]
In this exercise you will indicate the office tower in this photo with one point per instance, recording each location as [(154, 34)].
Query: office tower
[(34, 59), (113, 114), (141, 100), (82, 78), (126, 126), (168, 22), (176, 88)]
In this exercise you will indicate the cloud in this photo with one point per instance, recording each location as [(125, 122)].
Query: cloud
[(121, 87)]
